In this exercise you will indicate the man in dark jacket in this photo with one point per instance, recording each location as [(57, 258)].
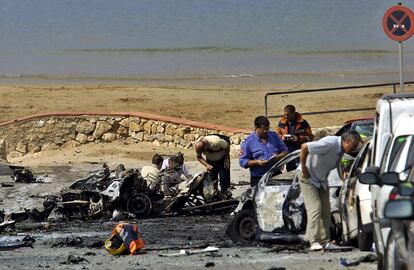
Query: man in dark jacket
[(294, 131)]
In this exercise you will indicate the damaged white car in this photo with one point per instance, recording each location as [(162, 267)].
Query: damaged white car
[(274, 210)]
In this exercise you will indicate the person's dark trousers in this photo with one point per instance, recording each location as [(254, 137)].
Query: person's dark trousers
[(254, 180), (219, 172)]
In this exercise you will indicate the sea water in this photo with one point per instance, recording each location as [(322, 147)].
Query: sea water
[(139, 40)]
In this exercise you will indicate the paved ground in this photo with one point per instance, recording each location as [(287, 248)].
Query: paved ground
[(166, 234)]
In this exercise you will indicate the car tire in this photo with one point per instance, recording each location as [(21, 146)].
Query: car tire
[(241, 228), (391, 261), (364, 239)]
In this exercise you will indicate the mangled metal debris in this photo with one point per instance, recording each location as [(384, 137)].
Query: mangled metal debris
[(118, 192)]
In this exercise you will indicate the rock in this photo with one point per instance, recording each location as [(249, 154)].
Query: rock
[(154, 128), (14, 154), (138, 136), (21, 147), (49, 146), (171, 144), (147, 127), (125, 122), (51, 121), (160, 137), (156, 143), (71, 144), (40, 123), (149, 138), (189, 137), (134, 126), (85, 127), (235, 139), (82, 138), (168, 138), (91, 138), (170, 129), (109, 137), (101, 128), (33, 148), (123, 131), (3, 153), (160, 129)]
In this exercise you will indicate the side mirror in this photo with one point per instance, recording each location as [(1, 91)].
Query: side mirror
[(399, 209), (390, 178), (406, 189), (370, 176)]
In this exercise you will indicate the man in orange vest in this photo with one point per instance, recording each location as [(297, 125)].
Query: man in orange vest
[(294, 130)]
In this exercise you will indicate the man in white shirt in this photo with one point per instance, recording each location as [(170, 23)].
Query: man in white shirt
[(181, 167), (317, 159)]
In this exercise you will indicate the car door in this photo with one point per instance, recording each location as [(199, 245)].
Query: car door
[(346, 198), (270, 194)]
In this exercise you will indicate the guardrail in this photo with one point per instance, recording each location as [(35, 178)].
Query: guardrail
[(394, 85)]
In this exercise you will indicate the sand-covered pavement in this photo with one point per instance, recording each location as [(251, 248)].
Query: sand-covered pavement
[(228, 105)]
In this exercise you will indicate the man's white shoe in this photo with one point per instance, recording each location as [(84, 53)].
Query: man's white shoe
[(316, 246), (332, 246)]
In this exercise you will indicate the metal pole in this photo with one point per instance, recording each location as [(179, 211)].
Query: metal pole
[(400, 47)]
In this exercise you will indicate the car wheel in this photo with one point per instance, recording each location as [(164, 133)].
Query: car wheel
[(392, 261), (364, 238), (241, 229), (139, 205)]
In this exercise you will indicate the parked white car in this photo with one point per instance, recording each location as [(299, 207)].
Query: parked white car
[(390, 125)]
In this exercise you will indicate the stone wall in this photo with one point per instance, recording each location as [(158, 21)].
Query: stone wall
[(50, 132), (56, 132)]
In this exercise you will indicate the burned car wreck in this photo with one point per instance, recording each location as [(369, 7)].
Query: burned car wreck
[(125, 193), (274, 210)]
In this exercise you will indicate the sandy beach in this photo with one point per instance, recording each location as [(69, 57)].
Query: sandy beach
[(228, 105)]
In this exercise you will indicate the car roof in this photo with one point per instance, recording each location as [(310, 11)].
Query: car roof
[(368, 119)]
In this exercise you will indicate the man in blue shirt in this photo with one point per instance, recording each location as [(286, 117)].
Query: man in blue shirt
[(261, 149)]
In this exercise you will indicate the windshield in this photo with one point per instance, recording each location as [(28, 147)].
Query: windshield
[(365, 129), (402, 154)]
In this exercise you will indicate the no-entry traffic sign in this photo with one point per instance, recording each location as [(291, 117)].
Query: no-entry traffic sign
[(398, 23)]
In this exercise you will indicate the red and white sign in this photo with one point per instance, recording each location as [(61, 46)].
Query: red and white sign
[(398, 23)]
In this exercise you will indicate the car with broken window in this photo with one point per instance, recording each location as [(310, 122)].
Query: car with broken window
[(274, 210), (363, 125)]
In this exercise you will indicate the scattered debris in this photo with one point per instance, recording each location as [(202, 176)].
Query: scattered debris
[(183, 252), (70, 242), (368, 258), (295, 248), (9, 243), (89, 253), (72, 259), (7, 184), (210, 264), (97, 244)]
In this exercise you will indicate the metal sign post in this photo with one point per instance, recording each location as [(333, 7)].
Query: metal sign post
[(398, 24), (400, 49)]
